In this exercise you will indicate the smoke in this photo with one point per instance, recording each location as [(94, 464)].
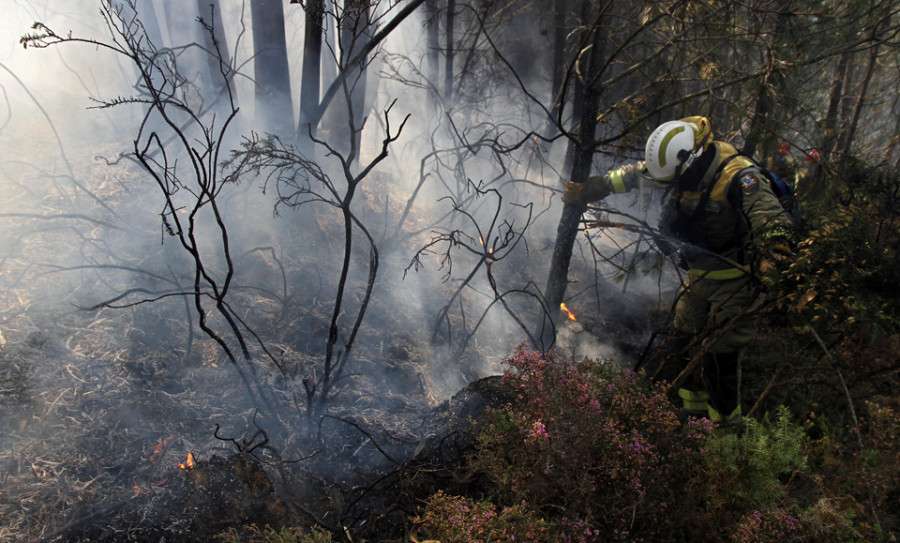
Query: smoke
[(432, 178), (83, 225)]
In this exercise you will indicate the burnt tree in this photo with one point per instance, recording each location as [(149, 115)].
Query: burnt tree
[(270, 67)]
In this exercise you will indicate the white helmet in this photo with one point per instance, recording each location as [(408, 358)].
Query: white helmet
[(671, 149)]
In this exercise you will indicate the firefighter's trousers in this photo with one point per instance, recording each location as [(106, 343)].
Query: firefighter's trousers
[(723, 311)]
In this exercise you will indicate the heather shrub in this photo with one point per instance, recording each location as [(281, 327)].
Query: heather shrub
[(594, 443), (877, 466), (457, 519), (763, 526), (591, 452)]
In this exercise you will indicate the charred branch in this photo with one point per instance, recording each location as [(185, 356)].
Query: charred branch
[(488, 241), (299, 181)]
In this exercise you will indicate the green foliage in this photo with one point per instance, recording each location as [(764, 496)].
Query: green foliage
[(841, 272), (745, 470), (850, 258), (832, 520), (836, 320), (255, 534), (830, 349)]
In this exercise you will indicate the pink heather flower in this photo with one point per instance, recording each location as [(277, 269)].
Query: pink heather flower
[(538, 432)]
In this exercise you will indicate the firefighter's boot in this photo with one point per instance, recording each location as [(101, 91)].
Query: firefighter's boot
[(722, 373), (694, 402)]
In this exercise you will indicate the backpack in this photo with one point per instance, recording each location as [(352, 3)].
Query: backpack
[(683, 228), (780, 187)]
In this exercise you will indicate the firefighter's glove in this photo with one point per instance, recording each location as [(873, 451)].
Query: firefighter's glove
[(572, 194), (774, 262), (581, 194)]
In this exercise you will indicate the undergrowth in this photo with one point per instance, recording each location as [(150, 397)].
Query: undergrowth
[(266, 534), (591, 452)]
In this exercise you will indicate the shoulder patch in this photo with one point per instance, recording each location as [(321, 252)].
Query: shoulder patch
[(749, 184)]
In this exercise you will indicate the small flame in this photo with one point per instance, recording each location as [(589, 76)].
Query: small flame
[(190, 463), (569, 314)]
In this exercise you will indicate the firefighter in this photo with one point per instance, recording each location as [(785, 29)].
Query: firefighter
[(783, 165), (799, 179), (730, 228)]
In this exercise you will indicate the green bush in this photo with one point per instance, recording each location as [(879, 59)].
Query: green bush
[(744, 470), (591, 452)]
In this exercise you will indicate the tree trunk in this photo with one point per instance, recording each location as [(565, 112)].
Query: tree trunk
[(219, 58), (187, 39), (582, 157), (830, 124), (355, 34), (559, 57), (578, 96), (147, 14), (181, 26), (312, 67), (273, 108), (432, 69), (850, 133), (764, 124), (448, 54), (360, 57), (846, 107)]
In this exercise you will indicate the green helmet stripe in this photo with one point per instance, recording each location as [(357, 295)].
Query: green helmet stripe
[(665, 143)]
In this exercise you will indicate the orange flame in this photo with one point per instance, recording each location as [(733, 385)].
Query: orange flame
[(569, 314), (190, 463)]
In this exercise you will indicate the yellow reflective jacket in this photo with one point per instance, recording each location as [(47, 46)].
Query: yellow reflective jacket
[(738, 217)]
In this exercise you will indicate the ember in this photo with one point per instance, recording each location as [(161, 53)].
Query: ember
[(159, 449)]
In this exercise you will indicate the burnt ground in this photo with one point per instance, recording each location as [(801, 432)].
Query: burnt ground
[(83, 478), (97, 451), (99, 406), (99, 409), (96, 431)]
